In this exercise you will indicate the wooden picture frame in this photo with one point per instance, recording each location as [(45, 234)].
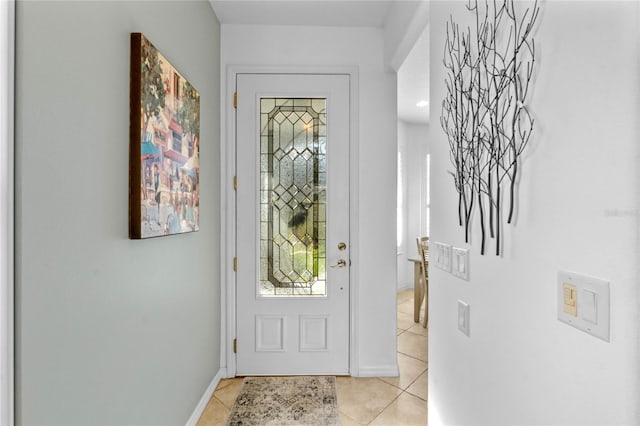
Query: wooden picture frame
[(164, 142)]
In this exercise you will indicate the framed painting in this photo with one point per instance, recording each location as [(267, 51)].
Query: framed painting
[(164, 141)]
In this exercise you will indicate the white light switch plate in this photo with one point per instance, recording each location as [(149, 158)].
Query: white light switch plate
[(463, 317), (460, 263), (592, 304), (443, 256)]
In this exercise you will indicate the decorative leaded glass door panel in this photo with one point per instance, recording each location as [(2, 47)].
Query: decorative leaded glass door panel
[(293, 224), (292, 196)]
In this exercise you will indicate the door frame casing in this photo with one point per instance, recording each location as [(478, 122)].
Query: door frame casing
[(228, 168), (7, 143)]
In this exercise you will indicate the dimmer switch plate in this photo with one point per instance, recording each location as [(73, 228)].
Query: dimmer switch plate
[(569, 299), (584, 303), (460, 263)]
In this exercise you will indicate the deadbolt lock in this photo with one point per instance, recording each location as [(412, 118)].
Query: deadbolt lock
[(342, 246)]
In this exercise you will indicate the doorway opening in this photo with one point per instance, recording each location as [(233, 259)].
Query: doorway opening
[(413, 156), (236, 259)]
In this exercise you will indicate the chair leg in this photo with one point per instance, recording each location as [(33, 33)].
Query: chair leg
[(418, 295), (425, 319)]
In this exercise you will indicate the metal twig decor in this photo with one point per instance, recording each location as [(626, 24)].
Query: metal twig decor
[(484, 113)]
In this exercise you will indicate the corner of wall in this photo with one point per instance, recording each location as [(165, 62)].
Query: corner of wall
[(204, 400), (405, 22)]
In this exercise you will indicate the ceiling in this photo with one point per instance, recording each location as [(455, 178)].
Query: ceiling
[(412, 75), (332, 13)]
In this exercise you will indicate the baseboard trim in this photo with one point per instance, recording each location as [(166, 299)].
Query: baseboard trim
[(382, 371), (204, 400)]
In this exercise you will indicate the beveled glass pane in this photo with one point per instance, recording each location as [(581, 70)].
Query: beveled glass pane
[(292, 197), (282, 102), (267, 104)]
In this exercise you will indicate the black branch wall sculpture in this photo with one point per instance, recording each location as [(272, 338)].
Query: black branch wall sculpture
[(484, 113)]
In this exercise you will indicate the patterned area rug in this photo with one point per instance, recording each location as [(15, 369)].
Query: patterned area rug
[(296, 400)]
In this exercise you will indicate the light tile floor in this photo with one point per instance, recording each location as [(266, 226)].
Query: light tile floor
[(364, 401)]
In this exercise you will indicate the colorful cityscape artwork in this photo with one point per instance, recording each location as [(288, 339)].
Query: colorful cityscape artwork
[(164, 166)]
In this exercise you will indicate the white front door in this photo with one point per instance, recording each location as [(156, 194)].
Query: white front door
[(292, 224)]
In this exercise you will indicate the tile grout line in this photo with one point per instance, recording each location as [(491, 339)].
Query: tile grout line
[(223, 404), (411, 356), (388, 405), (426, 371), (342, 413)]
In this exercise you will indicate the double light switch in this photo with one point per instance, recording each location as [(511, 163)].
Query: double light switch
[(442, 256), (583, 303)]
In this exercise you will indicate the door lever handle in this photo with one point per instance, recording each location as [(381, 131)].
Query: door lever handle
[(341, 264)]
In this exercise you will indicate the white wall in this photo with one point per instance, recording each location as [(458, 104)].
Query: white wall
[(373, 255), (405, 23), (109, 330), (578, 210), (413, 142)]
